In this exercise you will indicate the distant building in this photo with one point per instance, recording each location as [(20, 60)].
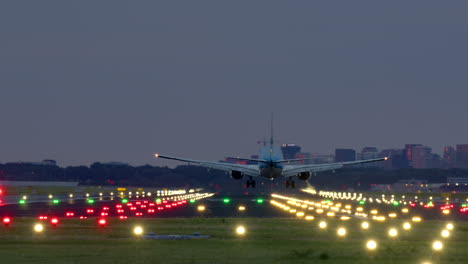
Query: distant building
[(409, 149), (47, 162), (305, 155), (421, 157), (290, 150), (345, 155), (397, 159), (462, 156), (450, 157), (370, 153)]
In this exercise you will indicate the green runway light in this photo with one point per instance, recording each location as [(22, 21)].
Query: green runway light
[(259, 200), (226, 200), (55, 201), (192, 201), (328, 201), (362, 202), (395, 203), (22, 201), (463, 205), (90, 201), (158, 200), (124, 201)]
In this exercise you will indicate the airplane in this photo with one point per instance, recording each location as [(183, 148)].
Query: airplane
[(271, 165)]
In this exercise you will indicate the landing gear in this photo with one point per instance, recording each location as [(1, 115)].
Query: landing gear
[(291, 183), (251, 183)]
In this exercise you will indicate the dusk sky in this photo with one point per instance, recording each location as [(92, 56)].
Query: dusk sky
[(86, 81)]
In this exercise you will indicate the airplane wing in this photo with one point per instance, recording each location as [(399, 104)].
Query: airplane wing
[(248, 170), (293, 170)]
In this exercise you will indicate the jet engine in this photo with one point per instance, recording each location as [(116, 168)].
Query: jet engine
[(304, 175), (237, 175)]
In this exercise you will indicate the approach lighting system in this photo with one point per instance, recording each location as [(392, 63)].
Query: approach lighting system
[(201, 208)]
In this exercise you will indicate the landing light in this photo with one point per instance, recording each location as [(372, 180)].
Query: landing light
[(156, 155)]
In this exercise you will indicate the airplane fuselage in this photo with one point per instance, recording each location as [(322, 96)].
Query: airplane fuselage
[(271, 172)]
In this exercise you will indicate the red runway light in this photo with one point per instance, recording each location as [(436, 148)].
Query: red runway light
[(54, 221), (69, 214), (6, 221), (105, 208), (122, 217), (102, 222), (42, 217), (89, 211), (151, 204)]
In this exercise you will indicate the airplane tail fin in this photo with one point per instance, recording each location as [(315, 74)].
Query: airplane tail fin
[(271, 136)]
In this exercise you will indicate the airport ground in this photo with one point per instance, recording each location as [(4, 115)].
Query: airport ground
[(273, 234)]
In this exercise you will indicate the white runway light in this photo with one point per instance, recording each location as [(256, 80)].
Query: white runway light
[(371, 245), (240, 230), (38, 228), (138, 230)]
